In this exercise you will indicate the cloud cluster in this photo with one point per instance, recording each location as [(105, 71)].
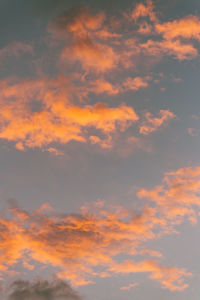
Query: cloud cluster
[(88, 244), (35, 113), (98, 57), (173, 38), (39, 112), (99, 46)]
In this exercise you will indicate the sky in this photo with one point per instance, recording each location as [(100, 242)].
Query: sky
[(99, 150)]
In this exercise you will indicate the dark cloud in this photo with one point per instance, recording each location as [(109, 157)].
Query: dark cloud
[(41, 290)]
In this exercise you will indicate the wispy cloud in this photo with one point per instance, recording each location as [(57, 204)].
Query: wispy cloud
[(178, 196), (15, 49), (130, 286), (151, 124)]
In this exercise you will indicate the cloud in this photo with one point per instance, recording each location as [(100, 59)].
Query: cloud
[(83, 242), (86, 32), (130, 286), (15, 49), (141, 10), (188, 27), (41, 290), (178, 196), (169, 277), (90, 43), (173, 38), (45, 113), (101, 86), (87, 244), (193, 131), (41, 112), (92, 56), (55, 151), (78, 21), (176, 79), (176, 48), (151, 124), (136, 83)]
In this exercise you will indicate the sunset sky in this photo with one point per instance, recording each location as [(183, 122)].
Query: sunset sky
[(99, 150)]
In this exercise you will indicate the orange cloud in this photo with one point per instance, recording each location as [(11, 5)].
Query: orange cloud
[(78, 21), (145, 28), (136, 83), (45, 114), (151, 124), (130, 286), (81, 22), (172, 33), (93, 56), (9, 244), (94, 45), (55, 151), (142, 10), (100, 86), (187, 27), (169, 277), (180, 50), (178, 196), (87, 244), (77, 239), (87, 34), (37, 113)]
